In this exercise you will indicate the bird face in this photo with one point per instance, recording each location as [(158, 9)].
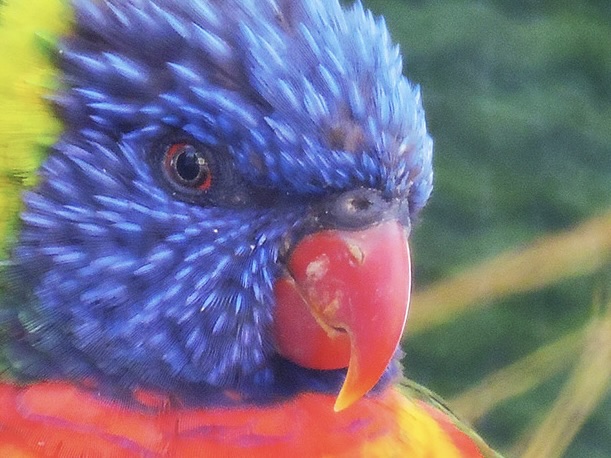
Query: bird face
[(207, 147)]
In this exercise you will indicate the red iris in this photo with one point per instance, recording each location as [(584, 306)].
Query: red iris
[(188, 166)]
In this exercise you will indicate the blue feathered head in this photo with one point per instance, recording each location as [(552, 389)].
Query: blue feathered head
[(201, 139)]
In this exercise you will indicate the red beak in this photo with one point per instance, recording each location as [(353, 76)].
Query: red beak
[(345, 304)]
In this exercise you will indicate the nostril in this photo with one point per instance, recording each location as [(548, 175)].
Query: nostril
[(357, 204), (354, 209)]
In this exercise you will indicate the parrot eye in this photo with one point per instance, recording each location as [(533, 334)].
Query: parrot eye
[(188, 166), (198, 173), (203, 174)]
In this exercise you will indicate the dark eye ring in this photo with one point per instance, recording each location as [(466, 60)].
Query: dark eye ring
[(188, 166)]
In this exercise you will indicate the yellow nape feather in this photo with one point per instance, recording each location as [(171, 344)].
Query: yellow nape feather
[(27, 123)]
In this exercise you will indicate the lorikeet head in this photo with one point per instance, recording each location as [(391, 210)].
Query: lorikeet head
[(226, 209)]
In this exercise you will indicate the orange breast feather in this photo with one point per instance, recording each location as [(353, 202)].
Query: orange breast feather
[(61, 420)]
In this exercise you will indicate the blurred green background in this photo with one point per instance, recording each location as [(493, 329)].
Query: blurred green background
[(518, 101)]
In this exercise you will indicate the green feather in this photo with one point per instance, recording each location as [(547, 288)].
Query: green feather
[(28, 32), (413, 390)]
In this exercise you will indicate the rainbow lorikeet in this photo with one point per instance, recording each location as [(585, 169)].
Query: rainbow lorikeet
[(205, 210)]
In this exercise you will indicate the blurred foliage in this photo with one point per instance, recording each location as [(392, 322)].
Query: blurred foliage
[(518, 100)]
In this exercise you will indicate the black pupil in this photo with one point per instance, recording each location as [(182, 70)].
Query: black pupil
[(189, 164)]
